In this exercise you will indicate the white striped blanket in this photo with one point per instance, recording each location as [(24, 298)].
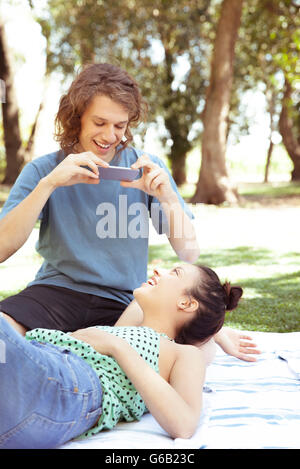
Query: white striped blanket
[(256, 405), (246, 405)]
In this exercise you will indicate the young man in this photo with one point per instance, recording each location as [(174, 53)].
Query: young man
[(93, 232)]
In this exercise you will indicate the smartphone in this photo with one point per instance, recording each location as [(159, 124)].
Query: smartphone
[(118, 173)]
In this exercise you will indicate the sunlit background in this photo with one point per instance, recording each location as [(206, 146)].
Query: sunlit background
[(245, 159)]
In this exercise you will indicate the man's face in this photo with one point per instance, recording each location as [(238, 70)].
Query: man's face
[(103, 125)]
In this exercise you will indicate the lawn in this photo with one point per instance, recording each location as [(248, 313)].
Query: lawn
[(255, 245)]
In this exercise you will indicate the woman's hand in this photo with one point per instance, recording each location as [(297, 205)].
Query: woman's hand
[(70, 171), (102, 341), (237, 344), (154, 181)]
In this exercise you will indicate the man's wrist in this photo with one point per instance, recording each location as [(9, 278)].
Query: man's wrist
[(47, 183), (170, 199)]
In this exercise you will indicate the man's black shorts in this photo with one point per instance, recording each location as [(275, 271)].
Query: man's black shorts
[(67, 310)]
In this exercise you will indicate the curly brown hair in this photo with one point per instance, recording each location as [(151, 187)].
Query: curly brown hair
[(97, 79)]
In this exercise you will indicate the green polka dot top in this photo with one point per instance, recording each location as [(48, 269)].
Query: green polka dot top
[(120, 399)]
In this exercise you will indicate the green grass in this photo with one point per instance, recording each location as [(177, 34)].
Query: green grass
[(271, 299), (273, 190), (253, 191), (6, 294)]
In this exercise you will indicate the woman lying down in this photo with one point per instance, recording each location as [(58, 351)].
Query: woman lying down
[(56, 386)]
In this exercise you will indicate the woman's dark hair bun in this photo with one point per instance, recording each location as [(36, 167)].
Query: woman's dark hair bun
[(232, 296)]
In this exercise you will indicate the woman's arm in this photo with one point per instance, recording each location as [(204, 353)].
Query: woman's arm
[(175, 405), (237, 344)]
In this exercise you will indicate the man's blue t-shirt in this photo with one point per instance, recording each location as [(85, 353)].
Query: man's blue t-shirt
[(93, 238)]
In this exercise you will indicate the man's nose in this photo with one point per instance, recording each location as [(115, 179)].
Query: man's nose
[(109, 134)]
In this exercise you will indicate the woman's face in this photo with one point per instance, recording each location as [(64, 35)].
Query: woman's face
[(103, 125), (165, 288)]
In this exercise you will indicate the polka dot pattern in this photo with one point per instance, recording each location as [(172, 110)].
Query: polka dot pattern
[(120, 399)]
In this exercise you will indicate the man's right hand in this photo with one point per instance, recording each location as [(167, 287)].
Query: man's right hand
[(70, 171)]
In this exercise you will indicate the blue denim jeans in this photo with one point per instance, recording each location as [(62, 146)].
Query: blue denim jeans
[(48, 395)]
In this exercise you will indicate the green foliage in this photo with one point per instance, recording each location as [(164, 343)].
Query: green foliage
[(155, 41), (267, 53), (152, 41), (167, 47)]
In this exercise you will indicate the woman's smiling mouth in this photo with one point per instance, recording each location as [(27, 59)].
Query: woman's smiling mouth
[(153, 281)]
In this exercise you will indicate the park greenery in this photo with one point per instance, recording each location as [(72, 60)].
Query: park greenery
[(174, 50), (195, 61)]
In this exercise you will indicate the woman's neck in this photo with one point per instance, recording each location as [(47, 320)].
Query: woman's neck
[(161, 325)]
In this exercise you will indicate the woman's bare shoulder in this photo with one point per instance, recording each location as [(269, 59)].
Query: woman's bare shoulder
[(189, 351), (172, 353), (205, 353)]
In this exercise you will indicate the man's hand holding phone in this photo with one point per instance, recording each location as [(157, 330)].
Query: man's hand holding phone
[(88, 168), (154, 180), (77, 168)]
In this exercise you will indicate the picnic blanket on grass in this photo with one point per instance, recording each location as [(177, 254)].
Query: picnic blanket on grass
[(246, 405)]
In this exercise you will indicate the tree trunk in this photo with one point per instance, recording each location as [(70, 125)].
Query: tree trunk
[(11, 128), (178, 135), (178, 170), (179, 149), (268, 162), (290, 142), (29, 151), (270, 95), (30, 146), (214, 186)]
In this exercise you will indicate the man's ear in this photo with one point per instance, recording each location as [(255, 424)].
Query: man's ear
[(187, 303)]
